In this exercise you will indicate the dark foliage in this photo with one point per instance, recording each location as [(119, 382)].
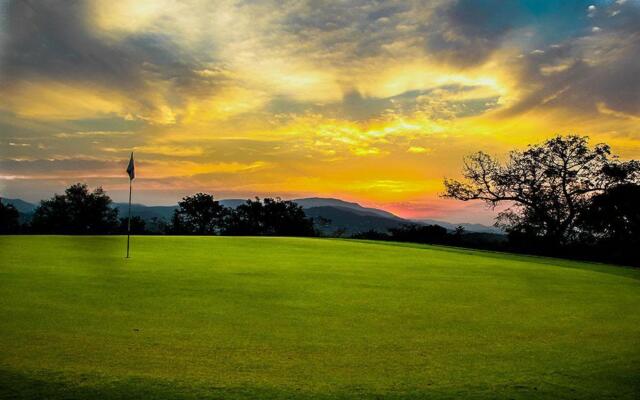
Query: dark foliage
[(614, 216), (78, 211), (199, 214), (246, 219), (414, 233), (565, 199), (341, 221), (371, 234), (547, 186), (268, 217), (138, 226), (157, 226), (420, 234), (9, 219), (611, 224)]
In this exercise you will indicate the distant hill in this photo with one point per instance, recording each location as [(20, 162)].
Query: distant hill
[(146, 212), (232, 203), (164, 212), (351, 221), (25, 209), (311, 202), (21, 205), (348, 216)]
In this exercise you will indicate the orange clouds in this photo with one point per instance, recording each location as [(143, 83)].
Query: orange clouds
[(371, 101)]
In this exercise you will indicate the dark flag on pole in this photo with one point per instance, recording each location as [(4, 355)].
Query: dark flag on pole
[(131, 171)]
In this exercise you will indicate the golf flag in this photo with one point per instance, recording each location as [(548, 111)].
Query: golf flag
[(131, 168)]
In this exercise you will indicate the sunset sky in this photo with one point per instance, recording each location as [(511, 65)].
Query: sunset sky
[(368, 101)]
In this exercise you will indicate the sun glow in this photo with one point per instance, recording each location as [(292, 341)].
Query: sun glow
[(373, 104)]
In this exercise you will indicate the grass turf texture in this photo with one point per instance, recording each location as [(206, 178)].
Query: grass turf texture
[(249, 318)]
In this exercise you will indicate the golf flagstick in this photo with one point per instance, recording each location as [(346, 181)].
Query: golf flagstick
[(131, 170)]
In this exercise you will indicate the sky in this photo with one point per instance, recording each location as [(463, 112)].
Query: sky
[(367, 101)]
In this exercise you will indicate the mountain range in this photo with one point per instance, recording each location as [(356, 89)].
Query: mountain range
[(339, 215)]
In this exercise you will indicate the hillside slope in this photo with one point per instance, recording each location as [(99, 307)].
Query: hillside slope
[(351, 221), (347, 216)]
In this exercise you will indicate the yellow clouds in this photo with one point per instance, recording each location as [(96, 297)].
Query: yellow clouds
[(227, 103), (418, 150), (363, 99), (54, 100), (158, 170), (74, 100), (173, 63), (167, 150), (391, 187), (398, 78), (299, 82), (129, 15)]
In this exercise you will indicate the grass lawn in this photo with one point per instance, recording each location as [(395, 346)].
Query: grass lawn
[(261, 318)]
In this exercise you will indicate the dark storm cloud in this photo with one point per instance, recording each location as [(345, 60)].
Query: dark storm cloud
[(467, 32), (462, 33), (54, 39), (601, 67), (360, 27)]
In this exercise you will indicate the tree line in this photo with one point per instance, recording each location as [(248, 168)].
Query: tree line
[(560, 198), (80, 211)]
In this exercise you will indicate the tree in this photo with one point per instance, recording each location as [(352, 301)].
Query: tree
[(614, 216), (371, 234), (138, 225), (419, 233), (285, 218), (459, 231), (546, 186), (199, 214), (77, 211), (157, 225), (270, 217), (246, 219), (322, 224), (9, 219)]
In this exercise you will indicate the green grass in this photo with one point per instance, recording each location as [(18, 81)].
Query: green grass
[(261, 318)]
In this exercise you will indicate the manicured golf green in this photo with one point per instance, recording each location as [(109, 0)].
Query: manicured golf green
[(261, 318)]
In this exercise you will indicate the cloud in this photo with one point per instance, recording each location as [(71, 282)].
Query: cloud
[(360, 99), (91, 134), (596, 67), (40, 167), (467, 32), (54, 44), (418, 150)]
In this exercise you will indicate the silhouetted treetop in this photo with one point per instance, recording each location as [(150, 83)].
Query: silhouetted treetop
[(545, 185), (199, 214), (271, 217), (77, 211), (614, 216), (9, 218)]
